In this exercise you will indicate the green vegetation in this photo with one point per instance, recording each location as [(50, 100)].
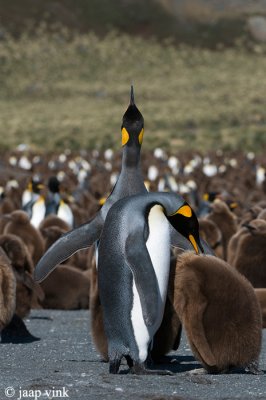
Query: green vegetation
[(58, 92)]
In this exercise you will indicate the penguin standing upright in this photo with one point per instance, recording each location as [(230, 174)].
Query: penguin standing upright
[(130, 181), (33, 202), (133, 270), (55, 204)]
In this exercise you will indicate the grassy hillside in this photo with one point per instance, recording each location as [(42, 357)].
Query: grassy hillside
[(58, 93), (194, 24)]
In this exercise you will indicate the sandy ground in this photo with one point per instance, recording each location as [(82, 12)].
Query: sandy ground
[(64, 364)]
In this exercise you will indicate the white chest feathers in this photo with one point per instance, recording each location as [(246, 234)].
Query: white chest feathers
[(158, 246)]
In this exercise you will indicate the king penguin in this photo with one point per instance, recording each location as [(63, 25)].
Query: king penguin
[(55, 204), (133, 271), (130, 181)]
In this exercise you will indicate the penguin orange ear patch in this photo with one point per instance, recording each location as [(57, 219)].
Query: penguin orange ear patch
[(125, 136), (185, 211), (141, 136)]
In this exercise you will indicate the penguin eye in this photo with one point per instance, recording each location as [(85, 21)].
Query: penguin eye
[(125, 136), (185, 210), (141, 136)]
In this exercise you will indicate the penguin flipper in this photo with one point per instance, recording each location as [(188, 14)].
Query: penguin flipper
[(80, 238), (140, 263), (179, 241)]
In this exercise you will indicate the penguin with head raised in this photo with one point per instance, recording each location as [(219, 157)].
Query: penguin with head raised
[(220, 313), (133, 271), (130, 181)]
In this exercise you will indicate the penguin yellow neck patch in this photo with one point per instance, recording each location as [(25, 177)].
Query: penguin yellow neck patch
[(141, 136), (125, 136), (185, 211), (193, 242)]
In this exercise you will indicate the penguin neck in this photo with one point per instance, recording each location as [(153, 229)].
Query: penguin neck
[(131, 158), (130, 180)]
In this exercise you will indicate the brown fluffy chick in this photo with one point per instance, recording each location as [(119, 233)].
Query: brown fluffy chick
[(261, 296), (248, 252), (22, 265), (66, 288), (225, 221), (210, 232), (7, 290), (20, 225), (219, 311)]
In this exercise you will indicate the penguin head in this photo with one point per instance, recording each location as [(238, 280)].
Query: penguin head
[(53, 184), (132, 124), (35, 185), (184, 220)]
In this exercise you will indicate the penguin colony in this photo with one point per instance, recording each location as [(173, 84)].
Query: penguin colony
[(46, 198)]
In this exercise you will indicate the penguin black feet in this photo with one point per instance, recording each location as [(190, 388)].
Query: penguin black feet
[(17, 332), (140, 369), (114, 364), (253, 368)]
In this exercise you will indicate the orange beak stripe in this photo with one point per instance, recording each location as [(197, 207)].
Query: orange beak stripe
[(193, 242)]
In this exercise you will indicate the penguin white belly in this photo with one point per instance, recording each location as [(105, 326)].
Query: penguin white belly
[(38, 212), (158, 245), (65, 213)]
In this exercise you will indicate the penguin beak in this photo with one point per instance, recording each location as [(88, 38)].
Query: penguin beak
[(194, 243)]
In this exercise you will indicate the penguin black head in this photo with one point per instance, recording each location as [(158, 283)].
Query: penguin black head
[(184, 220), (35, 185), (132, 124), (53, 184)]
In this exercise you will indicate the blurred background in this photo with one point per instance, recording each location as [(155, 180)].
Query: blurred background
[(198, 69)]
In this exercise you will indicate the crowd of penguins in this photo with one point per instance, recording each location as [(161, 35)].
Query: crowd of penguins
[(70, 209)]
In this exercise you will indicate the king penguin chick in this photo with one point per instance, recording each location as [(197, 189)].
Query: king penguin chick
[(261, 296), (12, 328), (66, 288), (210, 232), (250, 252), (7, 291), (220, 313), (21, 226), (133, 271), (22, 266), (225, 221)]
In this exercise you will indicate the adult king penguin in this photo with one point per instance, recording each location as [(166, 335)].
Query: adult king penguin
[(130, 181), (133, 271)]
